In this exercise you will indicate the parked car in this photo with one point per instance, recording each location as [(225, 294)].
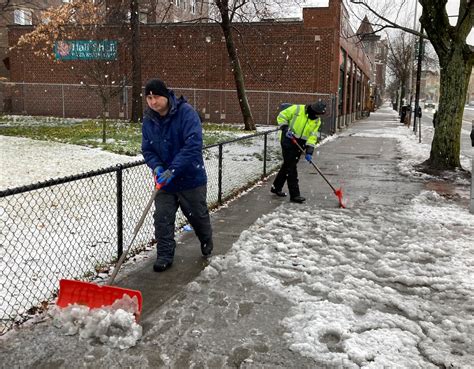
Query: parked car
[(429, 104)]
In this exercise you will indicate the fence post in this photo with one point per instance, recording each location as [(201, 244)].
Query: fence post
[(24, 99), (268, 109), (265, 138), (219, 176), (62, 97), (119, 212)]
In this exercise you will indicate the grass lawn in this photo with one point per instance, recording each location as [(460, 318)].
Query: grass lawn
[(121, 137)]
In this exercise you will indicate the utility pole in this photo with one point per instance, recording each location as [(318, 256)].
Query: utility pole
[(418, 79), (410, 78)]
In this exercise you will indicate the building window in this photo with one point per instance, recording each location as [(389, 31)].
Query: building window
[(143, 17), (23, 17)]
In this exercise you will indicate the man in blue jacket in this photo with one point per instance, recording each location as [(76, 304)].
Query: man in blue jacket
[(172, 148)]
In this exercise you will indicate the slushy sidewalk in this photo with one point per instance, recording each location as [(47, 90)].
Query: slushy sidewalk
[(215, 314)]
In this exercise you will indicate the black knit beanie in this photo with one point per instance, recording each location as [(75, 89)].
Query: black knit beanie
[(156, 87)]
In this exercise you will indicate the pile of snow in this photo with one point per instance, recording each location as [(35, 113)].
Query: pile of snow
[(114, 326)]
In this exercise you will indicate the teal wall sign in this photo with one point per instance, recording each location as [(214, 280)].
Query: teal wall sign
[(85, 50)]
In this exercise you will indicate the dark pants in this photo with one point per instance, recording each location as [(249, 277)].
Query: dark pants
[(288, 171), (194, 207)]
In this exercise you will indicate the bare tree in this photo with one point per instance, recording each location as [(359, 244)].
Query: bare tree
[(400, 60), (82, 17), (66, 22), (456, 59), (227, 13), (137, 107)]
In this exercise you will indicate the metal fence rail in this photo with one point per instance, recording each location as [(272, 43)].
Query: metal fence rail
[(75, 226), (213, 105)]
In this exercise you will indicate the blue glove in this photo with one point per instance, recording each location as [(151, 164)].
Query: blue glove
[(158, 170), (308, 157), (289, 134), (165, 177)]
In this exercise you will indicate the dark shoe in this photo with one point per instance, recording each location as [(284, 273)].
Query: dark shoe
[(277, 192), (161, 266), (206, 248), (298, 199)]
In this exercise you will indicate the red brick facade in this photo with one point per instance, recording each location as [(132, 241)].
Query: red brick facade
[(297, 56)]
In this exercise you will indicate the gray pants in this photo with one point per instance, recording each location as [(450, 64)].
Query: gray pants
[(194, 207)]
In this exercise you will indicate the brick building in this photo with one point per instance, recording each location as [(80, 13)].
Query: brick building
[(377, 51), (28, 12), (429, 85), (22, 12), (283, 61)]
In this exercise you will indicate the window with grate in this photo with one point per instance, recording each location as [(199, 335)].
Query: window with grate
[(23, 17)]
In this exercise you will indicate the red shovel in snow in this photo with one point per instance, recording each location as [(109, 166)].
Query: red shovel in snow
[(338, 191), (95, 296)]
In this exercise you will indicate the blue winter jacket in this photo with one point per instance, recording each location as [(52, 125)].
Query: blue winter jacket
[(175, 142)]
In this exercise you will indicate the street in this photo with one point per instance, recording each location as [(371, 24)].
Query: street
[(427, 130)]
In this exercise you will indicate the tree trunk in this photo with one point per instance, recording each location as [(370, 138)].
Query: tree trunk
[(137, 107), (454, 80), (237, 72)]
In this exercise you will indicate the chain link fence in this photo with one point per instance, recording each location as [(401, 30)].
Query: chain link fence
[(75, 227), (213, 105)]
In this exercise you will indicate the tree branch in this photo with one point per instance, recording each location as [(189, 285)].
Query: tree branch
[(386, 20)]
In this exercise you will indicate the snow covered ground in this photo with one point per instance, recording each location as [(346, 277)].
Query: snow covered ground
[(379, 286), (25, 161), (373, 287), (67, 231)]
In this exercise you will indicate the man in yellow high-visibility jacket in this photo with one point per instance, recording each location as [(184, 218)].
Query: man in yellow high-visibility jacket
[(302, 123)]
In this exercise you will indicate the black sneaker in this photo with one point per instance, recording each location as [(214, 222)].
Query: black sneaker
[(277, 192), (298, 199), (161, 266), (206, 248)]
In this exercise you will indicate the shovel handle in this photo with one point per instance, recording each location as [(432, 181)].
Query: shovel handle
[(314, 165), (135, 232)]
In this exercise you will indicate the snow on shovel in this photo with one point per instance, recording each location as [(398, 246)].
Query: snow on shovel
[(95, 296)]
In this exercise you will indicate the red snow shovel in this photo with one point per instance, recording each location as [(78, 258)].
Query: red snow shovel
[(95, 296), (338, 191)]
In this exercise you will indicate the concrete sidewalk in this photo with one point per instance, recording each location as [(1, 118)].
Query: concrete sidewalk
[(365, 168), (238, 320)]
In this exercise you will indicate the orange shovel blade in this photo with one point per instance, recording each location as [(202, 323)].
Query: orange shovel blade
[(93, 295), (338, 194)]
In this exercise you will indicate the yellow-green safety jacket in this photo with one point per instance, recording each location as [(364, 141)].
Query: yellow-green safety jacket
[(298, 122)]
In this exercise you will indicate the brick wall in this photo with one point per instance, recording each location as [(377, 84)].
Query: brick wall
[(7, 18), (297, 56)]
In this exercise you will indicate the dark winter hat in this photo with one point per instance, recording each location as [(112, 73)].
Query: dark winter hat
[(156, 87), (319, 107)]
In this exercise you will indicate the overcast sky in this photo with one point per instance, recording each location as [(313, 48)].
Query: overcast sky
[(452, 9)]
